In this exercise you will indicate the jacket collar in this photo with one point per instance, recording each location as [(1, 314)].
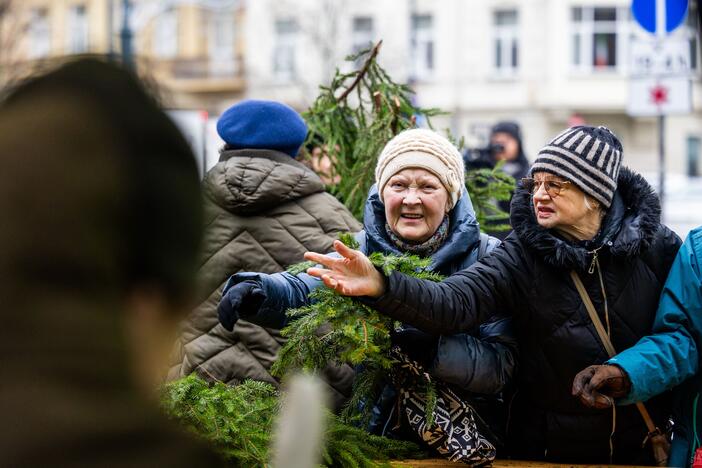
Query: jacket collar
[(250, 181), (628, 228), (464, 233)]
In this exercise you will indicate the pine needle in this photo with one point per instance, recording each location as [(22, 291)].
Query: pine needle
[(340, 329), (238, 423)]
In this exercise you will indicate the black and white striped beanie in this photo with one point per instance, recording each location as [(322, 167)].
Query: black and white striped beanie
[(589, 157)]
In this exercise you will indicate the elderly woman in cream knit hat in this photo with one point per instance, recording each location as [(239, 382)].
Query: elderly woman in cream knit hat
[(420, 178), (419, 205)]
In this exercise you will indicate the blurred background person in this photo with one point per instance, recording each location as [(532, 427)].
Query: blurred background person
[(316, 156), (263, 210), (506, 141), (506, 147), (99, 201)]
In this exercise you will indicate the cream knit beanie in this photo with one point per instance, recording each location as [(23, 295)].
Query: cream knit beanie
[(424, 149)]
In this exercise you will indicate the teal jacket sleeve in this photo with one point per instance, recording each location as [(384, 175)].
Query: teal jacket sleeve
[(670, 355)]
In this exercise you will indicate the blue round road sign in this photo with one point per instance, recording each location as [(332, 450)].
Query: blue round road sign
[(645, 13)]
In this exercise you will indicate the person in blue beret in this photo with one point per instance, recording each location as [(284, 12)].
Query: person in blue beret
[(266, 125), (263, 210)]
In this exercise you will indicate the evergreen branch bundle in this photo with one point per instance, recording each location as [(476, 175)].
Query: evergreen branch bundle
[(486, 187), (339, 329), (336, 328), (353, 118), (358, 113), (238, 422)]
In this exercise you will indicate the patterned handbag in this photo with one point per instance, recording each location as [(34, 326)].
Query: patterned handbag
[(457, 430)]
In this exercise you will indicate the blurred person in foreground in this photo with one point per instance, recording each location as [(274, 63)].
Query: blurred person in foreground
[(580, 217), (262, 211), (99, 202)]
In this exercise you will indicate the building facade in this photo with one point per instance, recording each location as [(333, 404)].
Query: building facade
[(192, 50), (544, 63)]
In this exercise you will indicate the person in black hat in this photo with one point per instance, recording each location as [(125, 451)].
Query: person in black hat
[(506, 145), (506, 138)]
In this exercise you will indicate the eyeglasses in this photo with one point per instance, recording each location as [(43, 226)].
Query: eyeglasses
[(552, 187)]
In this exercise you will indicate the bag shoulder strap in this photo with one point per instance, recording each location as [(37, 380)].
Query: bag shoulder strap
[(609, 347)]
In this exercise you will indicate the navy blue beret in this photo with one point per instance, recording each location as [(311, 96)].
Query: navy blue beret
[(262, 125)]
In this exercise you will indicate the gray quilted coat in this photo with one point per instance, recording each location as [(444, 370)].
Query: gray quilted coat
[(263, 210)]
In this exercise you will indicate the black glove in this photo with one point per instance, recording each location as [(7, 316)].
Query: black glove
[(416, 344), (241, 300)]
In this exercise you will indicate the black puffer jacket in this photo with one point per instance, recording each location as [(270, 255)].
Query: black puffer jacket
[(529, 274)]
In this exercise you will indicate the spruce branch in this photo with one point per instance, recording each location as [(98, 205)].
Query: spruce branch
[(486, 187), (339, 329), (354, 127), (238, 423), (362, 73)]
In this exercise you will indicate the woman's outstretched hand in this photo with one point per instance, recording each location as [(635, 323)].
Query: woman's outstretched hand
[(351, 275)]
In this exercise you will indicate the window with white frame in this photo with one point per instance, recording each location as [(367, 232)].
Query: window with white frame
[(285, 49), (506, 44), (362, 33), (39, 33), (77, 29), (422, 46), (166, 34), (220, 44), (599, 37)]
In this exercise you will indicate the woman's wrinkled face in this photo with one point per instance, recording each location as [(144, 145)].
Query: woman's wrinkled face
[(415, 204), (564, 210)]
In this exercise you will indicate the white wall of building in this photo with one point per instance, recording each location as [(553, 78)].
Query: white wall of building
[(542, 93)]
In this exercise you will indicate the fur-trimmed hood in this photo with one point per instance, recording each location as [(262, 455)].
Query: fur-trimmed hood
[(252, 181), (628, 228)]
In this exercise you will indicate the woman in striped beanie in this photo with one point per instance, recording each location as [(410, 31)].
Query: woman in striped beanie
[(579, 214)]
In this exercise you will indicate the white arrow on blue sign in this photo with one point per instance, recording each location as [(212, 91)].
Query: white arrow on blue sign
[(650, 13)]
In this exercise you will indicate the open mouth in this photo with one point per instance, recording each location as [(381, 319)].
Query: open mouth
[(411, 216), (544, 210)]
